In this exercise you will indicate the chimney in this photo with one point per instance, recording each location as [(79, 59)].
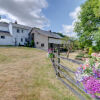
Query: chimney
[(50, 31), (16, 22)]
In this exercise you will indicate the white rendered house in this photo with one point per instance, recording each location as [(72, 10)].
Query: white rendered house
[(16, 34), (13, 34)]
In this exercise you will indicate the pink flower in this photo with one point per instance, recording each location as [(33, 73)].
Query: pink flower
[(94, 54), (99, 55), (84, 67), (87, 60), (97, 64), (81, 65), (87, 65)]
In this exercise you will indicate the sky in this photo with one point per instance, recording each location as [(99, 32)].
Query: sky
[(54, 15)]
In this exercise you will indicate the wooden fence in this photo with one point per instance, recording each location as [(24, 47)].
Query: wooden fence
[(61, 73)]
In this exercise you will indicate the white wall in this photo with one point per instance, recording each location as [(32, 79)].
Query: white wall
[(55, 41), (20, 35), (4, 28), (10, 40), (41, 39), (6, 41)]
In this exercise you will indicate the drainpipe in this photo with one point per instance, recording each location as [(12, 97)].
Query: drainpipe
[(10, 28)]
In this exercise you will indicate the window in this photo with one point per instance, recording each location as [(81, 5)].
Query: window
[(37, 42), (21, 39), (2, 37), (22, 31), (42, 45), (17, 30), (26, 40)]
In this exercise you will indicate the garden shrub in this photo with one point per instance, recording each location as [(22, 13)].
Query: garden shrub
[(87, 56), (79, 56), (32, 43), (96, 48), (90, 51)]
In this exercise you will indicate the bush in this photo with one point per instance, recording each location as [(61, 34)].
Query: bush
[(79, 56), (27, 44), (90, 51), (96, 48), (32, 43), (50, 55), (19, 44), (87, 56)]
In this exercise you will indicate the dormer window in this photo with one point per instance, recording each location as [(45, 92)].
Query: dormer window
[(17, 30)]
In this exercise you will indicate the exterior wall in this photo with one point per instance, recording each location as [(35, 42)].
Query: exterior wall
[(4, 27), (41, 39), (8, 37), (7, 40), (55, 41), (14, 38), (17, 36)]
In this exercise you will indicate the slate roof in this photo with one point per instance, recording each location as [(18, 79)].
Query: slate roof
[(15, 25), (46, 33), (21, 26), (4, 32), (4, 24)]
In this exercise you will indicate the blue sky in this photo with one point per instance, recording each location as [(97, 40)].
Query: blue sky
[(55, 15), (58, 12)]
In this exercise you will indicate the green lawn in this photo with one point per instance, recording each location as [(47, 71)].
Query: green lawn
[(27, 74)]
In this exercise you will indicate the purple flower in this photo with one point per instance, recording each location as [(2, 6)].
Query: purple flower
[(92, 85)]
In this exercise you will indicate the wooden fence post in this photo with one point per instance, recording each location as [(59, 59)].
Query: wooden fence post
[(53, 60), (58, 58), (53, 57)]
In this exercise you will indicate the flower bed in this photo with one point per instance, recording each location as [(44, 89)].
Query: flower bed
[(89, 75)]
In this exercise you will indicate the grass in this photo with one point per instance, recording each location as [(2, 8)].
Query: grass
[(27, 74)]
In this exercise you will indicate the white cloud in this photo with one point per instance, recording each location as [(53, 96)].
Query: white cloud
[(75, 13), (68, 29), (28, 12)]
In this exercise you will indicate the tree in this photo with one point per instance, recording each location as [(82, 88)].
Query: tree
[(60, 34), (96, 9), (88, 23), (68, 44)]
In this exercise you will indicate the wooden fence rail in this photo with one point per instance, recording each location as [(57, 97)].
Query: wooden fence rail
[(62, 70)]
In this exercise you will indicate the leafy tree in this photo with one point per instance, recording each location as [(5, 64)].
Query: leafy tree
[(32, 43), (88, 23), (69, 44), (60, 34), (96, 9)]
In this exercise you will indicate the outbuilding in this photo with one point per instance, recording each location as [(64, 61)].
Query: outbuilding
[(44, 39)]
